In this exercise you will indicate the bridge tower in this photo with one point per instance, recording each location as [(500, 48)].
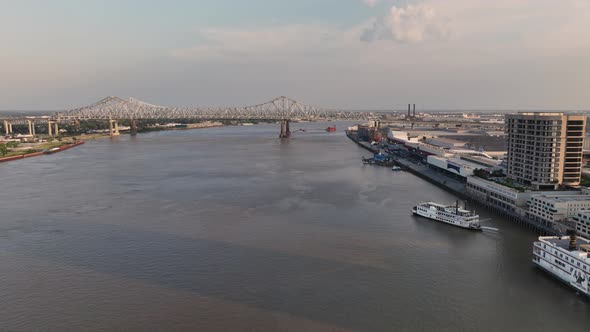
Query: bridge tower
[(52, 128), (285, 131), (31, 127), (8, 127), (113, 127)]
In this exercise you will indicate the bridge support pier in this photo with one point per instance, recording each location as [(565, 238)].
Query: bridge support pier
[(285, 131), (133, 127), (113, 128), (8, 127), (52, 128), (31, 127)]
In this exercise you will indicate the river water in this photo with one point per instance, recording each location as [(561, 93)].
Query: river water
[(231, 229)]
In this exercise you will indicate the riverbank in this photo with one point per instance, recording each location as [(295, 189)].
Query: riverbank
[(189, 126), (28, 150), (422, 171), (38, 152), (453, 186)]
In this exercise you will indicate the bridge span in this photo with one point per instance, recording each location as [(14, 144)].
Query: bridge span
[(113, 109)]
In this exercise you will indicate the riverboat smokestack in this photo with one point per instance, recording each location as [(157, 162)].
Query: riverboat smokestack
[(409, 111), (573, 245), (414, 110)]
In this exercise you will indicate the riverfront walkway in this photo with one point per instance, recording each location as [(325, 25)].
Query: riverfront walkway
[(449, 183)]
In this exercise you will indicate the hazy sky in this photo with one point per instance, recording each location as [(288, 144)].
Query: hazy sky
[(353, 54)]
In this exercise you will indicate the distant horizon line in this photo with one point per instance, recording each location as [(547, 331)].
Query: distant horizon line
[(456, 110)]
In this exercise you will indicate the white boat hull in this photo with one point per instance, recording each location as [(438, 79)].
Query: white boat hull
[(562, 279), (446, 219), (561, 267)]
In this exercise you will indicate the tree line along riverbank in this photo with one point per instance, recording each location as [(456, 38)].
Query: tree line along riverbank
[(13, 149), (36, 149)]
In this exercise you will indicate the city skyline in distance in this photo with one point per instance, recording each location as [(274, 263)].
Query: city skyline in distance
[(353, 54)]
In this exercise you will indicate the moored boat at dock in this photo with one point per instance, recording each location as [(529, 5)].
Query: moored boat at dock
[(368, 161), (50, 151), (565, 257), (448, 214)]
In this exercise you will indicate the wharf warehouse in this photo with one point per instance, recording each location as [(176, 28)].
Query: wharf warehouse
[(456, 167)]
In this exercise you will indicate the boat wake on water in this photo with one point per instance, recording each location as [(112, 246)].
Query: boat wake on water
[(492, 229), (486, 228)]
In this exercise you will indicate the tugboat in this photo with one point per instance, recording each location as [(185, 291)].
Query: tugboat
[(331, 129), (448, 214)]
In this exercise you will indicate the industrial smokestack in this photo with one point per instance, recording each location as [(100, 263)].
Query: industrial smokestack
[(414, 110), (409, 111)]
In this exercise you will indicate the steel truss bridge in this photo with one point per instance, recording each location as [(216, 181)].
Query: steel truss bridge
[(281, 108)]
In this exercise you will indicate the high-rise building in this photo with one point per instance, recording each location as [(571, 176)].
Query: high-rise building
[(545, 149)]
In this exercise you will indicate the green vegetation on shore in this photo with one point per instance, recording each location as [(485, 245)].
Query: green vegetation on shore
[(9, 149), (5, 148), (89, 127)]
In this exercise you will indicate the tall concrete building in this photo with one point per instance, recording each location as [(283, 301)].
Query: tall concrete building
[(582, 219), (545, 149)]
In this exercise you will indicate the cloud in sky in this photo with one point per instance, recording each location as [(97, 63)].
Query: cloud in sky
[(371, 3), (460, 53), (268, 44), (409, 24), (456, 53), (473, 31)]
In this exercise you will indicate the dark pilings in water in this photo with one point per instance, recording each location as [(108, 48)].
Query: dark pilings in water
[(288, 129), (285, 131), (133, 127)]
